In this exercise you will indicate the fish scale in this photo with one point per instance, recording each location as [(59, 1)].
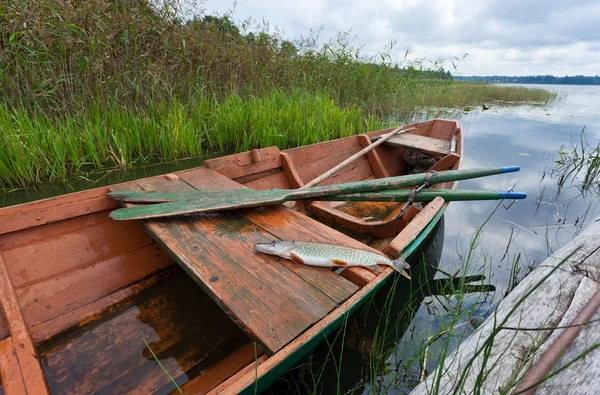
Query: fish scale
[(329, 255)]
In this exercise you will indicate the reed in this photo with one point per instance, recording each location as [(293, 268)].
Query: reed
[(42, 147)]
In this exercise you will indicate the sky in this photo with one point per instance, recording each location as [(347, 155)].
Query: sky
[(511, 37)]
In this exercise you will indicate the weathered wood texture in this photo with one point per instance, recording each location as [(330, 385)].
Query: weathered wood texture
[(10, 369), (428, 145), (24, 352), (261, 292), (582, 376), (246, 378), (61, 270), (554, 303)]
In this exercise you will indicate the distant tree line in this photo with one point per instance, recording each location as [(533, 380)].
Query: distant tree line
[(536, 79)]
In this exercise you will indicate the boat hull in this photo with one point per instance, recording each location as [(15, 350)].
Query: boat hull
[(70, 273)]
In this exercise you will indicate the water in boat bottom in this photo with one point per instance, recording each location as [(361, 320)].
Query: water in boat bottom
[(182, 326)]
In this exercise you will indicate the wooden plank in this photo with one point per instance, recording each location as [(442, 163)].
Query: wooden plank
[(269, 370), (10, 370), (549, 304), (414, 227), (444, 129), (568, 345), (289, 170), (25, 352), (242, 359), (325, 156), (276, 180), (373, 157), (236, 236), (231, 238), (424, 144), (242, 164), (53, 297), (287, 224), (41, 253), (240, 293), (46, 211)]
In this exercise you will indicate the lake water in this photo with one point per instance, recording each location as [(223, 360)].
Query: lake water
[(531, 229)]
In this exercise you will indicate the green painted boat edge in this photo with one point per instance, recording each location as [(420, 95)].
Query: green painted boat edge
[(277, 371)]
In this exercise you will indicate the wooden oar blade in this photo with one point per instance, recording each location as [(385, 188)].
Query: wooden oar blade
[(173, 196), (201, 205)]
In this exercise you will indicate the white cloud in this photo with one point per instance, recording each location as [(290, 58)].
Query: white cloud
[(511, 37)]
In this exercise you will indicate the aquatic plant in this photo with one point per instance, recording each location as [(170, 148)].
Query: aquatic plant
[(577, 165)]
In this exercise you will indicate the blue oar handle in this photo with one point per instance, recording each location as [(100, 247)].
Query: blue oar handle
[(509, 169), (512, 195)]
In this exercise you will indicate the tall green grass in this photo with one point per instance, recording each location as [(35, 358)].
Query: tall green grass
[(42, 147)]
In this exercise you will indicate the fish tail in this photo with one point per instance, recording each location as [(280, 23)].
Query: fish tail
[(399, 265)]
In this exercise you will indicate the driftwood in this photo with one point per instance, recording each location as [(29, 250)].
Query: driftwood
[(569, 285)]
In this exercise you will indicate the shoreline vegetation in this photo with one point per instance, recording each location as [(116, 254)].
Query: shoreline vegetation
[(113, 84)]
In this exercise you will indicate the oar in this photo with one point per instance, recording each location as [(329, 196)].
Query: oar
[(426, 195), (382, 139), (402, 195), (228, 201)]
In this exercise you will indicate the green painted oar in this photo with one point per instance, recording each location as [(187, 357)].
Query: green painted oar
[(229, 200), (426, 195)]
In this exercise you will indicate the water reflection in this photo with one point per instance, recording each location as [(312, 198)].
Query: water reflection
[(520, 235)]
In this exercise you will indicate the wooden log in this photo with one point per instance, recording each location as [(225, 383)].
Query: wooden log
[(522, 339), (548, 360)]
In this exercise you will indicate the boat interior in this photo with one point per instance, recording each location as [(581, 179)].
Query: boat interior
[(95, 305)]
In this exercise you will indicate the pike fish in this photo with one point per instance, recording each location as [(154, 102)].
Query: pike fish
[(329, 255)]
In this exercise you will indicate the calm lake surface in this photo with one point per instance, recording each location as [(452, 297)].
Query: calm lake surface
[(528, 230)]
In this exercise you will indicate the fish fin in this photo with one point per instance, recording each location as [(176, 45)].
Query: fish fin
[(399, 265), (338, 262), (375, 268), (296, 258)]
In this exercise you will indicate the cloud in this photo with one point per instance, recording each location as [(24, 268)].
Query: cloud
[(501, 37)]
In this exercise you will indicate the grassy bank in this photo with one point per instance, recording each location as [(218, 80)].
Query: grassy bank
[(113, 83)]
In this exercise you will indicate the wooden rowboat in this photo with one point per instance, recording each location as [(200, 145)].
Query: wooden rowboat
[(90, 304)]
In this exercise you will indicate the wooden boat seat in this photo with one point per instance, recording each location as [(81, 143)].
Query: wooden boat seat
[(427, 145), (273, 300)]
